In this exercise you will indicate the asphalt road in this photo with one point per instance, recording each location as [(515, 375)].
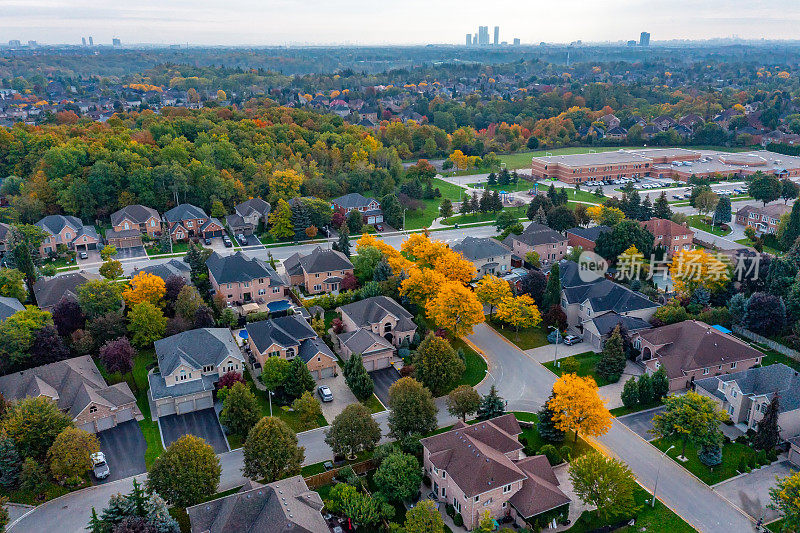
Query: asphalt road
[(642, 422)]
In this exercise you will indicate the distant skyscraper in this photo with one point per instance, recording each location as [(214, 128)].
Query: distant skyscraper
[(644, 39), (83, 40), (516, 41), (15, 43), (483, 35), (469, 39), (32, 43), (91, 41), (475, 39), (496, 35), (116, 42)]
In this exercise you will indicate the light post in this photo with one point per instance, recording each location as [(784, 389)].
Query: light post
[(658, 471), (270, 402), (404, 219), (558, 338)]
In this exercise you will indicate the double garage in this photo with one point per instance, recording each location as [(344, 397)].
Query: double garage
[(108, 422), (378, 360), (184, 404)]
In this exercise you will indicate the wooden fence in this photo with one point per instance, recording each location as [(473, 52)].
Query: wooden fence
[(325, 478), (776, 346)]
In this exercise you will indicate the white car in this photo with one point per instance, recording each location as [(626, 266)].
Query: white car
[(99, 466)]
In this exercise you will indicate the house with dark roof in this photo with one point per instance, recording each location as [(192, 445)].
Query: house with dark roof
[(242, 279), (369, 208), (189, 366), (548, 243), (186, 221), (49, 291), (381, 315), (480, 467), (9, 306), (318, 271), (78, 389), (68, 231), (586, 238), (286, 505), (173, 267), (143, 219), (746, 395), (673, 237), (289, 337), (763, 219), (488, 255), (692, 350), (597, 330), (247, 216), (376, 352)]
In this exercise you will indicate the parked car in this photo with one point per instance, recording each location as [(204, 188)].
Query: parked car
[(207, 241), (241, 238), (325, 393), (226, 241), (569, 340), (99, 466), (379, 227), (84, 255)]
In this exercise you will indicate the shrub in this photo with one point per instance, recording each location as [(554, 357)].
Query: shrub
[(741, 439), (761, 457), (426, 480), (710, 455), (742, 468), (550, 451), (772, 455), (566, 452), (450, 510), (458, 520), (751, 461), (570, 365)]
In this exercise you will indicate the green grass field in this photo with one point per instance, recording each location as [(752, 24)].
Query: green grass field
[(767, 249), (731, 454), (622, 411), (519, 212), (697, 221), (524, 339), (588, 361), (475, 365), (282, 412), (422, 218), (520, 185)]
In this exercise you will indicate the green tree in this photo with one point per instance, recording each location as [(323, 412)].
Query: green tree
[(353, 430), (9, 464), (111, 269), (437, 365), (186, 473), (365, 262), (343, 244), (546, 426), (12, 284), (280, 220), (492, 405), (308, 409), (661, 207), (722, 213), (357, 378), (34, 476), (359, 507), (765, 188), (612, 359), (505, 219), (789, 190), (392, 210), (240, 410), (690, 418), (355, 222), (424, 518), (463, 401), (398, 477), (768, 434), (446, 208), (630, 393), (33, 424), (109, 251), (628, 232), (71, 453), (137, 504), (23, 243), (552, 292), (605, 483), (147, 324), (298, 380), (18, 332), (100, 296), (792, 230), (274, 373), (644, 387), (660, 384), (411, 409), (271, 451), (561, 218), (785, 496), (188, 302)]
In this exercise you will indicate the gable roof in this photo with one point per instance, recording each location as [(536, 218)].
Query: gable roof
[(196, 348), (287, 331), (239, 267), (184, 212), (173, 267), (362, 339), (53, 224), (373, 310), (353, 200), (474, 248), (762, 381), (318, 260), (536, 234), (664, 226), (606, 323), (251, 206), (137, 213), (590, 234), (9, 306), (539, 492), (605, 295), (49, 291)]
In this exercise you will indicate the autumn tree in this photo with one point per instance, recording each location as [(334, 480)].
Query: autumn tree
[(455, 308), (186, 473), (460, 160), (145, 287), (491, 290), (71, 453), (690, 418), (117, 355), (785, 496), (605, 483), (240, 410), (437, 365), (353, 430), (519, 312), (280, 220), (693, 269), (421, 285), (146, 324), (308, 409), (411, 409), (577, 406), (12, 284), (33, 424), (111, 269), (284, 185), (463, 401), (18, 333), (271, 451), (424, 518)]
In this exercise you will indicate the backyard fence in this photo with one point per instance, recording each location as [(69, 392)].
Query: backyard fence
[(771, 344), (325, 478)]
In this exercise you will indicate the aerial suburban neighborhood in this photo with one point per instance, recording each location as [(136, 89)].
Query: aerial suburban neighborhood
[(495, 286)]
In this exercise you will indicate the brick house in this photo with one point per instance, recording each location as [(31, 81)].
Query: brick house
[(78, 389), (763, 219), (247, 215), (488, 255), (49, 291), (672, 236), (480, 467), (139, 217), (66, 230), (548, 243), (288, 337), (186, 221), (585, 237), (318, 271), (376, 352), (693, 350), (242, 279), (369, 208), (381, 315)]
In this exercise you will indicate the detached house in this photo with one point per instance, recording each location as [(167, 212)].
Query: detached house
[(319, 271), (189, 366), (673, 237), (9, 306), (49, 291), (586, 238), (247, 216), (133, 220), (369, 208), (66, 230), (289, 337), (488, 255), (186, 221), (242, 279), (381, 315), (548, 243), (480, 467)]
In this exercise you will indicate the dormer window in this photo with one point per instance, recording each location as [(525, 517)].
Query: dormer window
[(208, 368), (93, 409)]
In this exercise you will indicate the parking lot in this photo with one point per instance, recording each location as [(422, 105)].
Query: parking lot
[(124, 448), (203, 423), (641, 422), (383, 379)]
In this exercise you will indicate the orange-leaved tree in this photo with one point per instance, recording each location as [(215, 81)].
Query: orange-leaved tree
[(577, 406), (145, 287), (491, 290), (455, 308)]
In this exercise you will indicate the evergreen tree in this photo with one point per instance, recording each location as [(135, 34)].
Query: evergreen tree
[(492, 179), (9, 464), (382, 270), (343, 245), (495, 204), (446, 208), (768, 434), (504, 178), (661, 208), (358, 379), (792, 230), (300, 220), (722, 214), (546, 427), (660, 384), (552, 292), (563, 197), (485, 203), (475, 202), (540, 217), (612, 360), (552, 194), (299, 379), (630, 393), (710, 454), (646, 209), (645, 386), (492, 405)]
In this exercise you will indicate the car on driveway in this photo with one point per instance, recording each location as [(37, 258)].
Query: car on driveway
[(325, 393), (84, 255), (242, 239), (99, 466), (207, 240), (569, 340), (226, 241)]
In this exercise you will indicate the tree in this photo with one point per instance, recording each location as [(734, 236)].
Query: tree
[(534, 284), (437, 365), (365, 263), (660, 383), (722, 214), (611, 244), (533, 258), (274, 373), (299, 379), (18, 333), (117, 355), (691, 418), (68, 316), (463, 401), (424, 518), (147, 513), (768, 434), (519, 312), (555, 317), (455, 308), (577, 406), (359, 507), (308, 409), (100, 296), (605, 483), (358, 378), (546, 426), (764, 188), (446, 208), (343, 244), (48, 347), (9, 464), (785, 496), (505, 220), (240, 410), (492, 405), (355, 221), (23, 243), (271, 451), (146, 323), (392, 210), (491, 290), (612, 359), (145, 287), (353, 430), (284, 185), (12, 284), (186, 473), (552, 292), (188, 302), (411, 409), (398, 477), (644, 386), (792, 230), (280, 220), (661, 207), (561, 218), (33, 424), (630, 393), (111, 269), (34, 476), (706, 201), (71, 453), (766, 313)]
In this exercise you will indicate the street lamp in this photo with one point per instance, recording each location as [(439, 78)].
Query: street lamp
[(658, 471), (271, 394), (558, 337)]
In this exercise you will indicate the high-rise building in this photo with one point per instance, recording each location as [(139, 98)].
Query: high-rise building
[(516, 41), (644, 39), (83, 40), (116, 42), (483, 35), (91, 41), (496, 35), (475, 39), (14, 43), (32, 44), (469, 39)]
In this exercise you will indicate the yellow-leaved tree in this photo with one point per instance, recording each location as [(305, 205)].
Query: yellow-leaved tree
[(455, 308), (491, 290), (577, 406), (455, 266), (145, 287), (421, 285), (284, 184), (693, 269), (460, 160), (519, 312)]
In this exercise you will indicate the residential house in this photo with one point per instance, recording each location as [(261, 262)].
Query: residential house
[(746, 395), (9, 306), (189, 366), (286, 505), (693, 350), (136, 217), (78, 389), (289, 337), (247, 215), (376, 351), (762, 219), (381, 315), (488, 255), (369, 208), (617, 134), (480, 467), (49, 291), (663, 123), (548, 243), (242, 279), (186, 221), (585, 237), (596, 331), (318, 271), (173, 267), (610, 121), (66, 230), (672, 236)]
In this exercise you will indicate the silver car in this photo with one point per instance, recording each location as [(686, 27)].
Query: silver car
[(325, 393), (99, 466)]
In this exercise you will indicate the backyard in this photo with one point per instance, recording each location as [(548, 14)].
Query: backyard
[(587, 361)]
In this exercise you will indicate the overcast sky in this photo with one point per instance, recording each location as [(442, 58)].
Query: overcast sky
[(270, 22)]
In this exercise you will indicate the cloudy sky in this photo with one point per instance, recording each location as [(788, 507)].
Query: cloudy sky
[(270, 22)]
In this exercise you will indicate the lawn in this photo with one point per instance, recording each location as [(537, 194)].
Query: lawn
[(767, 249), (483, 217), (524, 339), (622, 411), (283, 412), (422, 218), (771, 358), (318, 468), (776, 526), (475, 364), (697, 221), (533, 441), (177, 248), (585, 196), (731, 454), (588, 361), (520, 185), (374, 405)]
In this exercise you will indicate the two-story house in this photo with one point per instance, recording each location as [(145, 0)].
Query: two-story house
[(288, 337), (186, 221), (130, 223), (548, 243), (586, 238), (78, 389), (746, 395), (318, 271), (49, 291), (369, 208), (488, 255), (9, 306), (247, 215), (692, 350), (763, 219), (66, 230), (242, 279), (673, 237), (480, 467), (189, 366)]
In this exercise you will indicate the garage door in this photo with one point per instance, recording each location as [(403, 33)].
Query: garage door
[(185, 407), (369, 364), (381, 363), (87, 427), (166, 409), (204, 403), (123, 415), (105, 423), (325, 372)]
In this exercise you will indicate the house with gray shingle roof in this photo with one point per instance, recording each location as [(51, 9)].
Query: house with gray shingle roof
[(189, 366), (376, 352), (78, 389), (369, 208), (9, 306), (173, 267), (185, 221), (547, 242), (243, 279), (49, 291), (488, 255), (138, 217), (318, 271), (68, 231), (289, 337)]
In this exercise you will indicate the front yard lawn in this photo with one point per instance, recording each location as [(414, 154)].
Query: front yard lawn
[(699, 222), (767, 249), (177, 248), (533, 441), (475, 364), (524, 339), (422, 218), (374, 405), (622, 411), (283, 412), (588, 361), (731, 454)]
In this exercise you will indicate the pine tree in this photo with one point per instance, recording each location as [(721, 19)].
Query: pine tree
[(300, 220), (768, 434), (661, 208), (792, 228), (710, 454), (541, 216), (646, 209), (485, 201), (492, 179), (343, 245), (552, 292), (9, 464), (645, 386), (546, 427), (563, 197), (357, 378), (446, 208), (492, 405), (552, 194), (660, 384), (496, 204), (630, 393), (382, 270), (612, 359), (722, 214)]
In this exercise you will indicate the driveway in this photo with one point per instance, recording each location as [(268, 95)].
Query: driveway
[(124, 448), (249, 240), (342, 396), (93, 257), (545, 354), (750, 492), (383, 379), (641, 422), (612, 392), (130, 253), (203, 423)]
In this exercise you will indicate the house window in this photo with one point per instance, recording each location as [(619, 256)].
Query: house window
[(444, 474), (127, 226), (444, 492), (274, 354), (733, 393), (456, 504), (190, 224), (275, 290), (208, 368), (507, 489), (505, 504), (733, 365), (93, 409), (764, 408), (478, 498), (317, 287), (262, 292), (705, 371), (152, 223)]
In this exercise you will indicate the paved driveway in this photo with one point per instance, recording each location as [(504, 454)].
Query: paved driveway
[(203, 423), (124, 447), (131, 253), (750, 492), (383, 379), (249, 240), (641, 422), (342, 396)]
